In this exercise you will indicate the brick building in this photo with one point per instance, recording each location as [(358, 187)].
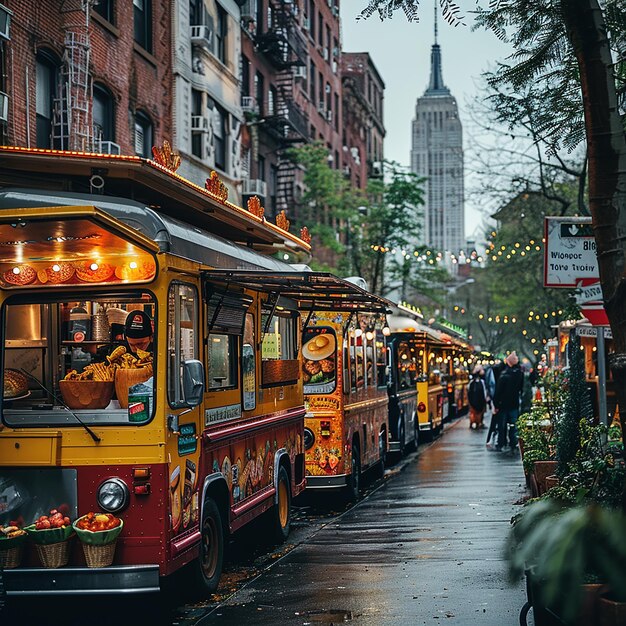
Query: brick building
[(207, 101), (291, 92), (363, 130), (95, 78)]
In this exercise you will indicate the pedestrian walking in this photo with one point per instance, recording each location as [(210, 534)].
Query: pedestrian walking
[(506, 403), (492, 374), (477, 398)]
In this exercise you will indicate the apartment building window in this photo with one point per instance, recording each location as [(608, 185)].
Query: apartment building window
[(328, 41), (245, 75), (312, 19), (197, 137), (143, 135), (336, 114), (142, 10), (272, 101), (320, 29), (260, 14), (259, 92), (103, 113), (219, 137), (261, 168), (105, 9), (320, 99), (329, 98), (312, 71), (46, 91), (196, 9), (221, 34)]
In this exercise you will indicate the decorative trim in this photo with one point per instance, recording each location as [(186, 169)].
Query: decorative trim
[(254, 206), (305, 235), (166, 157), (282, 222), (216, 187)]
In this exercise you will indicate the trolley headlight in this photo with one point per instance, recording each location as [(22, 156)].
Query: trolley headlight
[(421, 407), (309, 438), (113, 495)]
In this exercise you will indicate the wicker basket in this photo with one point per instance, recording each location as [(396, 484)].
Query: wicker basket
[(54, 555), (99, 556), (11, 557), (126, 378)]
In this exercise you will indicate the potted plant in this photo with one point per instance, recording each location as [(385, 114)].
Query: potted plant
[(535, 431), (560, 548)]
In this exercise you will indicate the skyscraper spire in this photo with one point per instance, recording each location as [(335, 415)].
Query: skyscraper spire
[(436, 78)]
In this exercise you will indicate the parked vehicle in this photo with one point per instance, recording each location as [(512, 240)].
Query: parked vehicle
[(345, 386), (187, 452)]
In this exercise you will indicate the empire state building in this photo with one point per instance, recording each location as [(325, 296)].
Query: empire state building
[(437, 156)]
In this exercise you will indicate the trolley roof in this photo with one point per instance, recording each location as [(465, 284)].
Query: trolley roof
[(313, 291), (147, 182)]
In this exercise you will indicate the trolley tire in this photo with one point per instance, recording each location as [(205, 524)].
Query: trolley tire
[(207, 568), (281, 511), (354, 486)]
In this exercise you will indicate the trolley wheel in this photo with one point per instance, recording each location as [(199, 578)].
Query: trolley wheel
[(207, 569), (281, 511), (354, 484)]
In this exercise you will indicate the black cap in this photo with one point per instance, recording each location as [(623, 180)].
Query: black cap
[(138, 325)]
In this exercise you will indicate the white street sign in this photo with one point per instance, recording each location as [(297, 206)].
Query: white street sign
[(592, 331), (589, 293), (570, 251)]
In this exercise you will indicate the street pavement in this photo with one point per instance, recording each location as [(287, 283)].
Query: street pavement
[(425, 547)]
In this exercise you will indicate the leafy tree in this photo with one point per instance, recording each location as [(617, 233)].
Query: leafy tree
[(326, 206), (558, 42)]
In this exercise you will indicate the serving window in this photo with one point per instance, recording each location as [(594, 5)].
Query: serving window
[(66, 355), (279, 347), (407, 365)]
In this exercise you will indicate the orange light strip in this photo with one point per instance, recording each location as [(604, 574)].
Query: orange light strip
[(243, 213)]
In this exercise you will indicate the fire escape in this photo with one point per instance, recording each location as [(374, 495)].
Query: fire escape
[(72, 124), (285, 47)]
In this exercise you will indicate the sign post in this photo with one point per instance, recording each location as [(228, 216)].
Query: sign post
[(570, 261)]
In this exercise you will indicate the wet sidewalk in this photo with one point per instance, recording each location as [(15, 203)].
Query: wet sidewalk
[(425, 548)]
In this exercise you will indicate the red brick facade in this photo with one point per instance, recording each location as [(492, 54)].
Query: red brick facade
[(138, 80)]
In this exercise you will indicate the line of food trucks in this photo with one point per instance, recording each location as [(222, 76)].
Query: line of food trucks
[(260, 380)]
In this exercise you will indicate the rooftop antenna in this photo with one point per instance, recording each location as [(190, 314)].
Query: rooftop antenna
[(436, 31)]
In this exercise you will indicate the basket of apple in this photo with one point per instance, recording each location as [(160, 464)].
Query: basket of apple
[(51, 535), (98, 533)]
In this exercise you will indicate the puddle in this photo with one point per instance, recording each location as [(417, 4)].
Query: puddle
[(328, 617)]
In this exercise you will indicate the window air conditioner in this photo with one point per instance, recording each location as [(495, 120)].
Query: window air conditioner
[(202, 36), (299, 72), (199, 123), (110, 147)]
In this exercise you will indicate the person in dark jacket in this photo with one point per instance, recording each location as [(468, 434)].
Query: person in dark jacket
[(506, 402)]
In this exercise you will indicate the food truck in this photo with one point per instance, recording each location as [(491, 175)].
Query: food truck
[(405, 363), (345, 374), (184, 442)]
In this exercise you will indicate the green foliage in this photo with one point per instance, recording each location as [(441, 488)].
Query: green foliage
[(561, 545), (535, 430), (577, 408), (597, 471)]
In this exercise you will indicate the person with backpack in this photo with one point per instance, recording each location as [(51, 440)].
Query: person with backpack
[(506, 403), (477, 398)]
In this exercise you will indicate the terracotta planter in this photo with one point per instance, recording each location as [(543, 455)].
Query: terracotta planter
[(541, 470), (551, 481), (610, 612)]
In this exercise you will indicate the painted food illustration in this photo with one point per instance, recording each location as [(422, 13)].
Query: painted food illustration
[(319, 358)]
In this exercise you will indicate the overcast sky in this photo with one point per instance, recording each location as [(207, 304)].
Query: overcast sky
[(401, 53)]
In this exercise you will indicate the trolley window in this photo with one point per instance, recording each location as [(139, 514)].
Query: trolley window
[(279, 351), (182, 337), (66, 355)]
